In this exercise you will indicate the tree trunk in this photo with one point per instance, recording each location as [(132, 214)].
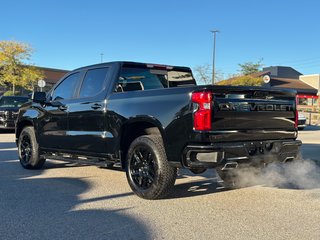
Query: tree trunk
[(13, 89)]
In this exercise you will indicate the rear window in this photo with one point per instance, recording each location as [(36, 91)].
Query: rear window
[(135, 78)]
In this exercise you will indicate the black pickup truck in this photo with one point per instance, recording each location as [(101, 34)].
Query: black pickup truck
[(152, 119)]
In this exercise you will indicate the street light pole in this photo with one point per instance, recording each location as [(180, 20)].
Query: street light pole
[(214, 54)]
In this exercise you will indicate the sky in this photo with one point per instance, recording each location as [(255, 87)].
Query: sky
[(70, 34)]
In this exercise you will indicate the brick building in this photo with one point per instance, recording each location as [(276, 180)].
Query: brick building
[(52, 76)]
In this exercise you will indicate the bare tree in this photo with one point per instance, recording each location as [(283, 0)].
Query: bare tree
[(203, 74)]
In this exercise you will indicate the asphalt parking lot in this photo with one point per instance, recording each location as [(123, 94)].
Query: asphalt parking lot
[(69, 201)]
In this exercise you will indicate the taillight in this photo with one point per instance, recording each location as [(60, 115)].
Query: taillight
[(297, 114), (202, 110)]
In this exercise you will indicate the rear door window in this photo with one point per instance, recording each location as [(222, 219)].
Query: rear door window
[(93, 83)]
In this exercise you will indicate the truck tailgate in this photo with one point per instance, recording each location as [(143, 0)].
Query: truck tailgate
[(248, 113)]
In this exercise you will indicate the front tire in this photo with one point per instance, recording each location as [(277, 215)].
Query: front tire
[(148, 171), (28, 149)]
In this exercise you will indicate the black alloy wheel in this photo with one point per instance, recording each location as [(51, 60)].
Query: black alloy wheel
[(28, 149), (142, 167), (148, 171), (25, 149)]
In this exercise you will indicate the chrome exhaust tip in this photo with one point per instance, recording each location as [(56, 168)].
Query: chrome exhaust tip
[(288, 159), (229, 165)]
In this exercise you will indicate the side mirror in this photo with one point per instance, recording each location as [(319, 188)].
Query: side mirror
[(39, 97)]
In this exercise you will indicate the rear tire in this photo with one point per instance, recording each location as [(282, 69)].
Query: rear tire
[(148, 171), (28, 150)]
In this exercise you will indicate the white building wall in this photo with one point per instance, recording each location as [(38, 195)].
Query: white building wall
[(312, 80)]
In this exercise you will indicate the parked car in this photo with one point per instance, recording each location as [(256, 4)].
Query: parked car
[(301, 121), (152, 119), (9, 107)]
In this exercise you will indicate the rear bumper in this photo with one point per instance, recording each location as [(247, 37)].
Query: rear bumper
[(249, 152)]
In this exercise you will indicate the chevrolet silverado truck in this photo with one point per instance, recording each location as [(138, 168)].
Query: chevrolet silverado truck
[(153, 119)]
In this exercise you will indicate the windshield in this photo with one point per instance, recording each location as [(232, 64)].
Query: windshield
[(14, 102)]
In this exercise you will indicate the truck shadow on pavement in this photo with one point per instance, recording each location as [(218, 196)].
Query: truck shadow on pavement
[(7, 145), (196, 188), (303, 176), (33, 206), (311, 128), (191, 185)]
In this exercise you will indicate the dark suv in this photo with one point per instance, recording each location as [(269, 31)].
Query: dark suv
[(9, 107)]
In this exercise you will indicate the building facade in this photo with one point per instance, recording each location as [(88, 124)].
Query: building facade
[(51, 76), (307, 86)]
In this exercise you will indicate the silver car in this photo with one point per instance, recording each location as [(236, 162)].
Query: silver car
[(301, 121)]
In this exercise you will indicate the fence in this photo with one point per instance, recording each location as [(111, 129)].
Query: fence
[(313, 118), (312, 113)]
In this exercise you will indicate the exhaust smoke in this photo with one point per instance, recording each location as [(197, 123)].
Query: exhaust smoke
[(298, 174)]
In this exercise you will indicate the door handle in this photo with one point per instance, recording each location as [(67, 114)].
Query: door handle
[(96, 106), (63, 107)]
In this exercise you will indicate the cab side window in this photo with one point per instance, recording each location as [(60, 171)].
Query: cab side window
[(94, 82), (66, 89)]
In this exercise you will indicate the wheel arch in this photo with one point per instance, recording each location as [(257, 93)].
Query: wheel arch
[(21, 125), (135, 128)]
